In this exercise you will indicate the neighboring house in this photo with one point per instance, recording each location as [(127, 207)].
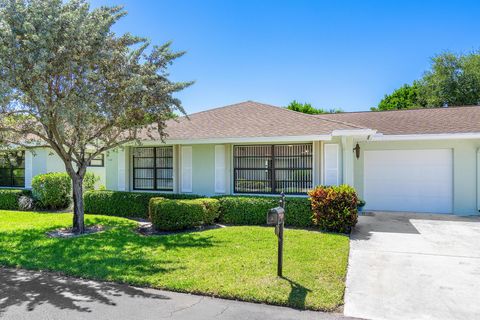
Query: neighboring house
[(414, 160)]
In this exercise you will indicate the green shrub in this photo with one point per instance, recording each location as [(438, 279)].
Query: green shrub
[(124, 204), (335, 207), (52, 190), (89, 181), (252, 210), (173, 215), (212, 210), (9, 198)]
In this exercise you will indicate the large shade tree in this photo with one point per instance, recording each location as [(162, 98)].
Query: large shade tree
[(69, 82), (452, 80)]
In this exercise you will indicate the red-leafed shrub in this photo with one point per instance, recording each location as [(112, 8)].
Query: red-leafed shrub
[(334, 207)]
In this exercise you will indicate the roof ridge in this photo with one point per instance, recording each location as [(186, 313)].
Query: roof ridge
[(307, 115), (282, 109), (217, 108), (343, 122), (399, 110)]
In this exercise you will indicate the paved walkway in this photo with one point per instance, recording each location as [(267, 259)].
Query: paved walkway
[(39, 296), (414, 266)]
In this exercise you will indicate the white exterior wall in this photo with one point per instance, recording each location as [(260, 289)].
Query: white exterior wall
[(45, 160), (117, 172)]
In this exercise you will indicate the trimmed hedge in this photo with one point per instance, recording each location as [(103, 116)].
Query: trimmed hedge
[(335, 207), (252, 210), (123, 203), (174, 215), (9, 198)]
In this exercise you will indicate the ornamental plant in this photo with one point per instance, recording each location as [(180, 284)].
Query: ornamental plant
[(52, 190), (69, 82), (334, 207)]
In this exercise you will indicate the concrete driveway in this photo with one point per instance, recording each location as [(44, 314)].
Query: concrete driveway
[(414, 266)]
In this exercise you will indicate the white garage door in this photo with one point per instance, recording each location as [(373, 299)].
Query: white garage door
[(409, 180)]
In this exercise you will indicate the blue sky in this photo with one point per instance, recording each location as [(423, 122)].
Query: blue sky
[(333, 54)]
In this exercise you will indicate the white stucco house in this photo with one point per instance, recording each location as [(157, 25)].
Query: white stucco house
[(423, 160)]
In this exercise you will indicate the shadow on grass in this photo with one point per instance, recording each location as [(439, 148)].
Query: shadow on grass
[(117, 254), (298, 294), (19, 287)]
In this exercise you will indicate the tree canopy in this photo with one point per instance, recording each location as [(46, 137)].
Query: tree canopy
[(405, 97), (68, 81), (453, 80), (308, 108)]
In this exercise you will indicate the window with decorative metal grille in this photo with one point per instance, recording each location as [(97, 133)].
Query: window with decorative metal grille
[(153, 168), (273, 168), (12, 169)]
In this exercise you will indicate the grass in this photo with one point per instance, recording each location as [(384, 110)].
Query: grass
[(233, 262)]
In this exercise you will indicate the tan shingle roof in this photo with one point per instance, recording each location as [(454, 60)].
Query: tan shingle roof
[(251, 119), (419, 121)]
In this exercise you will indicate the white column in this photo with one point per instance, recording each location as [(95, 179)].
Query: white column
[(175, 168), (478, 180), (347, 146), (186, 170), (28, 169), (122, 169), (220, 174), (317, 163)]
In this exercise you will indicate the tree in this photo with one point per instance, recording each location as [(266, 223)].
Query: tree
[(405, 97), (452, 80), (307, 108), (68, 81)]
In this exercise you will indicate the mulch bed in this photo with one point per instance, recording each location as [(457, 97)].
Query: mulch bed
[(68, 232), (146, 229)]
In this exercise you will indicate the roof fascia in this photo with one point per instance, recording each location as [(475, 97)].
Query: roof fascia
[(353, 132), (240, 140), (419, 137)]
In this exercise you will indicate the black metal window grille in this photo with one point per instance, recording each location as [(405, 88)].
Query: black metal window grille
[(153, 168), (98, 161), (12, 169), (273, 168)]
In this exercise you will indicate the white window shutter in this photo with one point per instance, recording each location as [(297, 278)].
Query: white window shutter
[(331, 164), (186, 169), (220, 169)]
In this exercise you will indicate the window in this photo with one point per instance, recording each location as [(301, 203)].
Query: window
[(273, 168), (98, 161), (12, 169), (153, 168)]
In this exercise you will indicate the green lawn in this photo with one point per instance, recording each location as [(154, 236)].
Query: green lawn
[(233, 262)]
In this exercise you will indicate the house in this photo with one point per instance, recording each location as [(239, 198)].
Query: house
[(422, 160)]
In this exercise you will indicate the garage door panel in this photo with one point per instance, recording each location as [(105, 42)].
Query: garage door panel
[(409, 180)]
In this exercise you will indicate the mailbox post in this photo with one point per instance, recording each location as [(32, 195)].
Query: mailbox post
[(276, 217)]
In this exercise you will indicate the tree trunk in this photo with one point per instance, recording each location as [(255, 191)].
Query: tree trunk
[(78, 212)]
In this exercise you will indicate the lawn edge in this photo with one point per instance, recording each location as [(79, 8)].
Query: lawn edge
[(336, 309)]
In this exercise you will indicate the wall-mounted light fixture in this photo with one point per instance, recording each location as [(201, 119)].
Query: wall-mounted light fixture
[(357, 151)]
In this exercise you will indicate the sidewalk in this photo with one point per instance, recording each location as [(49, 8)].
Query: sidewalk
[(39, 295)]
